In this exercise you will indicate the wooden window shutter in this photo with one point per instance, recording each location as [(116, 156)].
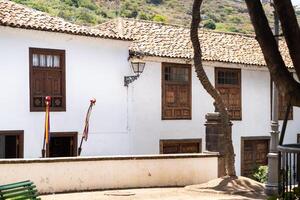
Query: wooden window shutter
[(176, 91), (178, 146), (228, 83), (47, 78)]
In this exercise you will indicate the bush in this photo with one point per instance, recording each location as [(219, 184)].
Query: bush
[(156, 2), (144, 16), (88, 4), (261, 174), (84, 16), (39, 6), (228, 10), (213, 17), (159, 18), (235, 19), (233, 29), (209, 24), (129, 13), (129, 9), (66, 15)]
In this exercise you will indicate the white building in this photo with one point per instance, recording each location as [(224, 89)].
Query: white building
[(163, 111)]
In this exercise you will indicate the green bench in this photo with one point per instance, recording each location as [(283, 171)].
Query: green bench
[(19, 191)]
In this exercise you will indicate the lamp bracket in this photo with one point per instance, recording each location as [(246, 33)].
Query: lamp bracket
[(129, 79)]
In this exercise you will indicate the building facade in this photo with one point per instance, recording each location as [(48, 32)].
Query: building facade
[(163, 111)]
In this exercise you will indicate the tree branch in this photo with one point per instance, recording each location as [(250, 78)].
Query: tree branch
[(291, 31), (277, 68)]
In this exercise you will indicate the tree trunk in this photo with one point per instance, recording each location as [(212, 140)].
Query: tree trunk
[(290, 28), (229, 156), (277, 68)]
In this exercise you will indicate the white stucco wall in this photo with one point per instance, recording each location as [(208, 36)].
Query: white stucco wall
[(148, 128), (92, 173), (94, 68)]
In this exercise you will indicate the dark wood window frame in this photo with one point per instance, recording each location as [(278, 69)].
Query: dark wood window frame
[(62, 67), (189, 84), (20, 135), (243, 144), (177, 141), (239, 86), (65, 134), (298, 137)]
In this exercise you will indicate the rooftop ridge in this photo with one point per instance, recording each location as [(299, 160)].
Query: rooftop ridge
[(182, 26)]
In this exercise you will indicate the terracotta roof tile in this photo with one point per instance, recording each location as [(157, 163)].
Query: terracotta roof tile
[(156, 39), (16, 15)]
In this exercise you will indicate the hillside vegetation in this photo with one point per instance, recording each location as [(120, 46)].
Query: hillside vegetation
[(223, 15)]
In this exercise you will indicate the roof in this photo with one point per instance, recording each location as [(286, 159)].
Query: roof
[(16, 15), (173, 41)]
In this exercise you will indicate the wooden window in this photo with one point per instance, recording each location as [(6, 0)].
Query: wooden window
[(298, 138), (47, 78), (62, 144), (254, 151), (11, 144), (282, 107), (228, 83), (176, 91), (180, 146)]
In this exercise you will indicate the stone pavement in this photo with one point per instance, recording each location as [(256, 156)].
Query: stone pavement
[(148, 194)]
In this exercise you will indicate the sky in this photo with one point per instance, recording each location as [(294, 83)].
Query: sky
[(296, 2)]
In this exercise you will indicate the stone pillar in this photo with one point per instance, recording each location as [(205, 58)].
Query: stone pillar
[(215, 139), (272, 183)]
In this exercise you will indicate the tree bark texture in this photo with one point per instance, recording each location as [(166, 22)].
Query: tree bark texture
[(229, 156), (290, 28), (277, 68)]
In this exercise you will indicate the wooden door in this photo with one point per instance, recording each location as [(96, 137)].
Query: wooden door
[(61, 147), (11, 144), (254, 154), (63, 144)]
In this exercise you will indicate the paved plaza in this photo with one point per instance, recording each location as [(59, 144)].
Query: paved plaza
[(151, 194)]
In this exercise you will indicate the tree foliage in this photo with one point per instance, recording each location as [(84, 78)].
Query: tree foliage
[(209, 24)]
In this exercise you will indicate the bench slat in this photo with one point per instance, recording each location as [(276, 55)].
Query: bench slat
[(24, 197), (14, 185), (25, 193), (17, 190)]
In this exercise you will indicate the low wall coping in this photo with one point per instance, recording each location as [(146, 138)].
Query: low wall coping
[(107, 158)]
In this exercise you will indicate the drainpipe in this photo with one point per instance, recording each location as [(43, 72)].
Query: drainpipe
[(272, 183)]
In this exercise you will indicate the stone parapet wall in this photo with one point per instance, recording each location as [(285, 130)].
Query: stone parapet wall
[(52, 175)]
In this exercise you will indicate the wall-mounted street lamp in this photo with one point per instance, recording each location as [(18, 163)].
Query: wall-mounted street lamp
[(138, 68)]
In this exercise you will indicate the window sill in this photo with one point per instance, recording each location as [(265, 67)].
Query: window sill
[(51, 109)]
